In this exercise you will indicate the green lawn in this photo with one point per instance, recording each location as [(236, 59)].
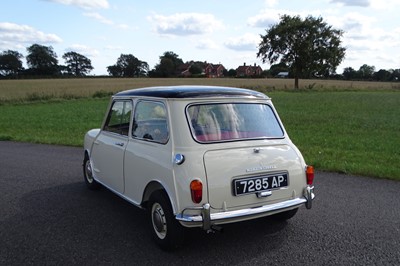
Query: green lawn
[(63, 122), (349, 132), (354, 132)]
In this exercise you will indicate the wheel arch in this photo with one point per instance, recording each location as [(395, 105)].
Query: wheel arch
[(151, 188), (86, 154)]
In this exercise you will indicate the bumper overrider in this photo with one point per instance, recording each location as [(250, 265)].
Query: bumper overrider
[(208, 219)]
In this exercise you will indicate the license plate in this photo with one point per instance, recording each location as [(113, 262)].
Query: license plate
[(256, 184)]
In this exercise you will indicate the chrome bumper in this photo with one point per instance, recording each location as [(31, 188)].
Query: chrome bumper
[(207, 219)]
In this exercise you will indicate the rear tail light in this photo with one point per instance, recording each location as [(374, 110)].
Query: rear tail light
[(196, 191), (310, 174)]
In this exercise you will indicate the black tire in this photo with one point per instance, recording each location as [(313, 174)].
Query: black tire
[(166, 231), (88, 174), (283, 216)]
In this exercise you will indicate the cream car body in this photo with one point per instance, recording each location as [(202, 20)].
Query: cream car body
[(185, 152)]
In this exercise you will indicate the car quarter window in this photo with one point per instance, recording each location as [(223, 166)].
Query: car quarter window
[(119, 117), (150, 122)]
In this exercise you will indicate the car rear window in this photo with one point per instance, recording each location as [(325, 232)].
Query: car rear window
[(232, 121)]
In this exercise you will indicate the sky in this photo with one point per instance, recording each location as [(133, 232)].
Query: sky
[(215, 31)]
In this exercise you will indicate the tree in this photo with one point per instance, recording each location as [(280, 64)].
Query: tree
[(128, 66), (366, 72), (196, 68), (115, 71), (395, 76), (382, 75), (168, 66), (42, 60), (232, 73), (308, 47), (10, 63), (275, 69), (77, 64), (349, 73)]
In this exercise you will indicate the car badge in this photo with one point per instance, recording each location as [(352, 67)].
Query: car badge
[(260, 168)]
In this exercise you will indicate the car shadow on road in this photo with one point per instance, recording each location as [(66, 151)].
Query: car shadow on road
[(71, 224)]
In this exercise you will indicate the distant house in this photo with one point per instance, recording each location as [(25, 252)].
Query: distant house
[(248, 71), (214, 71), (209, 70), (282, 75)]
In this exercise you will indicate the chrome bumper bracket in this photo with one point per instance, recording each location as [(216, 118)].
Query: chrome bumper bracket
[(309, 195)]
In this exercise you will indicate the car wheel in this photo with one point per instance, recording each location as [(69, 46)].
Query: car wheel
[(283, 216), (165, 229), (88, 174)]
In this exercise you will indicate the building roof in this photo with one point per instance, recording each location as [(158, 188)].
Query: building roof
[(242, 68), (192, 92)]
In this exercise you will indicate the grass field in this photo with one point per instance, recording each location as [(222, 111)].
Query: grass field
[(13, 91), (343, 127), (349, 132)]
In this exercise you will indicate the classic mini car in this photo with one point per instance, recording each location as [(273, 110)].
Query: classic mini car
[(197, 156)]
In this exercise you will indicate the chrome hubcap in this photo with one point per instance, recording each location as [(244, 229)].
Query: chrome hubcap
[(158, 220), (89, 173)]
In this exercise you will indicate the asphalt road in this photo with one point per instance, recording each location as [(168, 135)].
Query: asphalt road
[(48, 217)]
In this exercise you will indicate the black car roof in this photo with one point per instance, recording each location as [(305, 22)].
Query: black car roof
[(191, 92)]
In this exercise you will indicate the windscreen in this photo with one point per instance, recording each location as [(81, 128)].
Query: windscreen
[(233, 121)]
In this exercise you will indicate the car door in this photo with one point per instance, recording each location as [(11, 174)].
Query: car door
[(148, 156), (109, 147)]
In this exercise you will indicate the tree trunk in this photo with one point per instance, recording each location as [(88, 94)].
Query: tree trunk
[(296, 82)]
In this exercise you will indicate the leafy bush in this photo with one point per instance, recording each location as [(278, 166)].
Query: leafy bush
[(102, 94)]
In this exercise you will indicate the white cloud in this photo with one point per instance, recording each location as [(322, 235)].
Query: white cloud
[(183, 24), (99, 17), (85, 4), (271, 3), (105, 20), (16, 34), (268, 17), (366, 42), (362, 3), (352, 22), (386, 5), (206, 44), (83, 49), (246, 42), (113, 48)]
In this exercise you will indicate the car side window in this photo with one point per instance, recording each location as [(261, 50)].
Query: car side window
[(150, 122), (119, 117)]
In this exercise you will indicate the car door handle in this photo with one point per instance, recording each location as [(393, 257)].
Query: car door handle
[(121, 144)]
